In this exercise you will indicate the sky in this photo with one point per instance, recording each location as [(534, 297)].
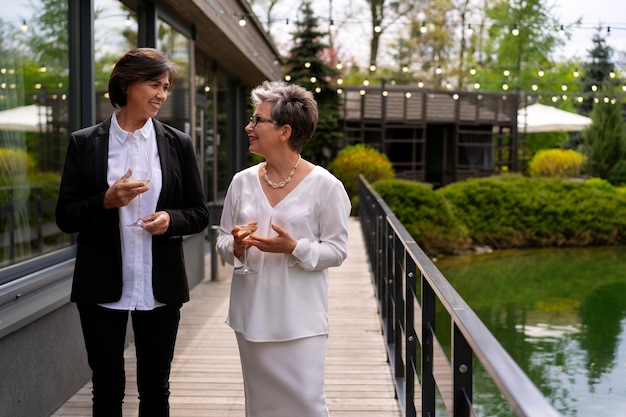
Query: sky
[(594, 13), (353, 37)]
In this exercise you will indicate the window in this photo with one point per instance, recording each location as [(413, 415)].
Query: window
[(33, 127)]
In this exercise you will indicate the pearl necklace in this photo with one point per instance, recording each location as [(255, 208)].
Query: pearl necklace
[(282, 183)]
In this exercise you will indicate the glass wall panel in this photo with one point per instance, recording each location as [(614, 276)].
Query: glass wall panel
[(176, 46), (33, 125), (115, 33)]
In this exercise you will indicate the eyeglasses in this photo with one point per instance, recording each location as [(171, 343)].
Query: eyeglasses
[(254, 120)]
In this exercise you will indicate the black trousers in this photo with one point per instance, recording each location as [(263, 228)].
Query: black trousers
[(155, 332)]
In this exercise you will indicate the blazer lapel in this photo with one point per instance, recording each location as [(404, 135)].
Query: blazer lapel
[(164, 156)]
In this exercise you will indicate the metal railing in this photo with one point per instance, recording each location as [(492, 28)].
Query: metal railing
[(409, 287)]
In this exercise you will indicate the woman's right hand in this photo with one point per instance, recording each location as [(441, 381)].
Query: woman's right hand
[(122, 192), (240, 243)]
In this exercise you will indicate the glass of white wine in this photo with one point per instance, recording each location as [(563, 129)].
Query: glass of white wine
[(244, 229), (141, 173)]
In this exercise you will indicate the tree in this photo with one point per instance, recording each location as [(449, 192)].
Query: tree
[(385, 13), (597, 71), (518, 43), (604, 142), (305, 66)]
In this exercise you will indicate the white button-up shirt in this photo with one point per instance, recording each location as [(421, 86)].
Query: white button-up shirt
[(136, 242)]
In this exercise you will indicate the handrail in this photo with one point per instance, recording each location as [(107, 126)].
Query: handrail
[(408, 287)]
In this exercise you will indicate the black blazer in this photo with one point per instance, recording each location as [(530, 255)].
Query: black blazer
[(98, 269)]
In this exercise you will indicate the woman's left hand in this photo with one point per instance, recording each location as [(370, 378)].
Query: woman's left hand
[(282, 243), (157, 223)]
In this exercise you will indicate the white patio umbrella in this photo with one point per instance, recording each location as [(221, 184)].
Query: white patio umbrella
[(541, 118), (26, 118)]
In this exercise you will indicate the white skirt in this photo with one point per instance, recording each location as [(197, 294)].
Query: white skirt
[(284, 379)]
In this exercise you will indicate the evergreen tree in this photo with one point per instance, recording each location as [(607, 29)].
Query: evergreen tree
[(604, 142), (596, 71), (305, 67)]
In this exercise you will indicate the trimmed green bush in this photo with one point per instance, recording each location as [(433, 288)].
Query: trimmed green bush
[(360, 159), (426, 215), (512, 211), (556, 163)]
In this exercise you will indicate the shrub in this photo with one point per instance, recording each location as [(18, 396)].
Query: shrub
[(14, 163), (426, 215), (513, 211), (600, 184), (360, 159), (556, 163)]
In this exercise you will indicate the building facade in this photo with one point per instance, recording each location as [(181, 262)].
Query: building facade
[(55, 60)]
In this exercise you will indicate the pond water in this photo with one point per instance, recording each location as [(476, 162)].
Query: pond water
[(561, 315)]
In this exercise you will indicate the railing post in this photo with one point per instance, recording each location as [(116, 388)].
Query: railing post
[(428, 335), (396, 302), (462, 369), (411, 339)]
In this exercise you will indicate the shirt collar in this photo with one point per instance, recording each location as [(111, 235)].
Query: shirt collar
[(120, 134)]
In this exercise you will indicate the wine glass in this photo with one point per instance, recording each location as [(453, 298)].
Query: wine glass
[(141, 173), (245, 228)]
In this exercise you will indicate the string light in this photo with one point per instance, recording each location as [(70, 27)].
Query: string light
[(515, 30), (242, 21)]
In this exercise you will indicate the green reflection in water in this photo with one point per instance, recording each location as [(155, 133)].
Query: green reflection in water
[(561, 315)]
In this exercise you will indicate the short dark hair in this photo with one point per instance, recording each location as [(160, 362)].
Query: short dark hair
[(140, 64)]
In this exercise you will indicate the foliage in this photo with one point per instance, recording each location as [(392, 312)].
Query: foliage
[(426, 215), (512, 211), (49, 33), (536, 142), (305, 67), (501, 50), (597, 70), (601, 184), (559, 163), (14, 163), (360, 159), (604, 143)]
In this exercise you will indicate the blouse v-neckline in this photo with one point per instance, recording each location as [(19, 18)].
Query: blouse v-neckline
[(290, 193)]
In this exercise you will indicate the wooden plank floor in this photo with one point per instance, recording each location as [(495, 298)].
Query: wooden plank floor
[(206, 376)]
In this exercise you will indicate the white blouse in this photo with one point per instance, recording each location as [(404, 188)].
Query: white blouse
[(288, 297)]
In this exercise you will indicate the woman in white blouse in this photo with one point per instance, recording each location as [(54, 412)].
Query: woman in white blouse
[(280, 312)]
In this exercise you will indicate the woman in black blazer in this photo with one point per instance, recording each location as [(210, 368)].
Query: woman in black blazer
[(121, 268)]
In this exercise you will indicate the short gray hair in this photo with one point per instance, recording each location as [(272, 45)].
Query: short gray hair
[(291, 104)]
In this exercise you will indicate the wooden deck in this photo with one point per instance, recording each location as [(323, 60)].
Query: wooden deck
[(206, 376)]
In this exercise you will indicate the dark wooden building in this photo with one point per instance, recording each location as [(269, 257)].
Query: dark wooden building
[(432, 135)]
